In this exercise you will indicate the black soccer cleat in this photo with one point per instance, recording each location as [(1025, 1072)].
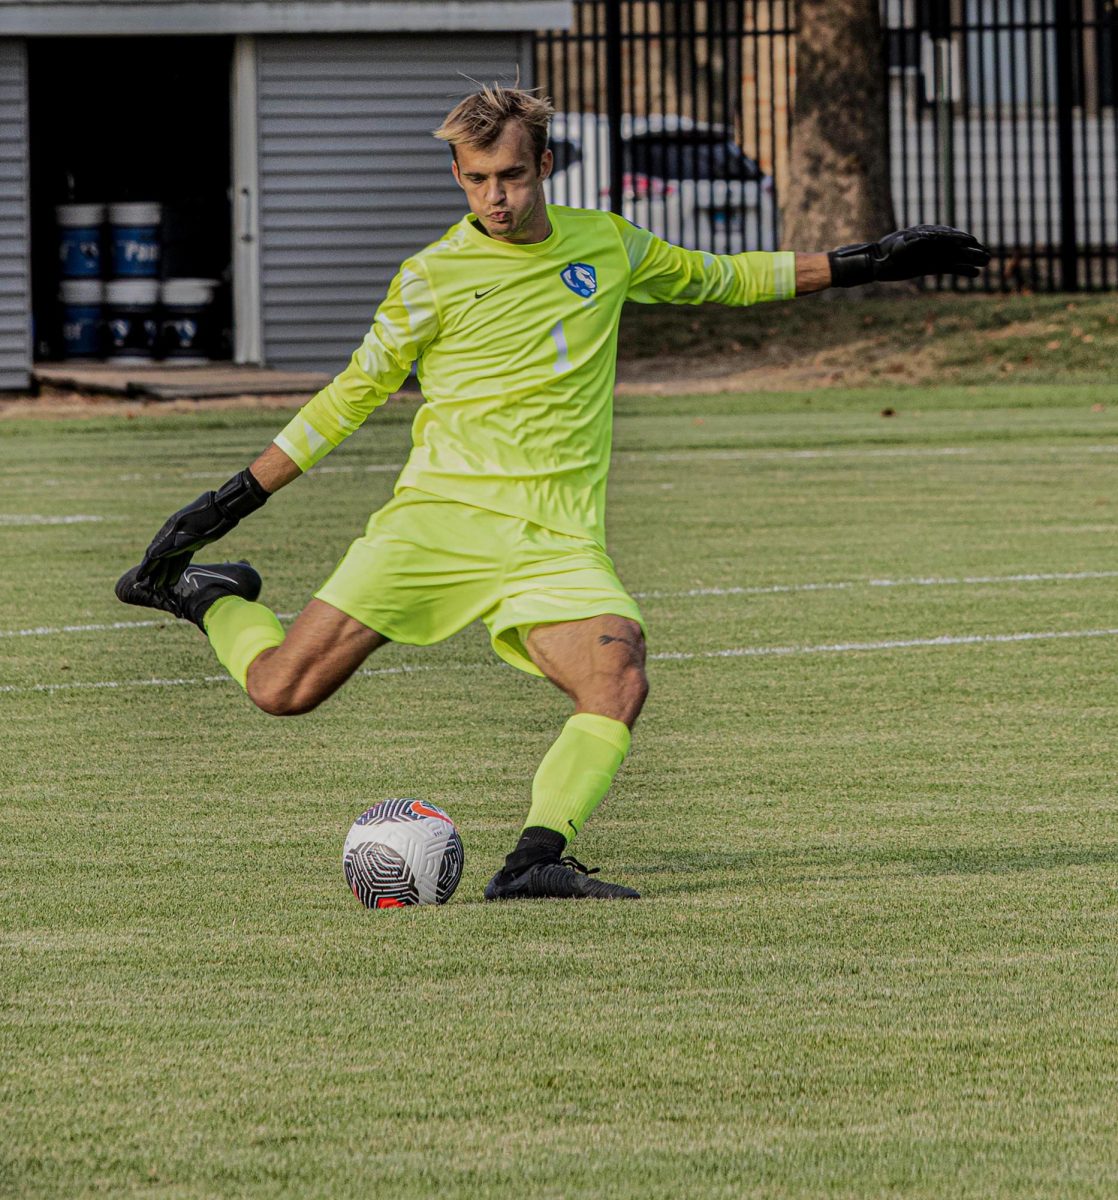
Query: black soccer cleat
[(197, 589), (566, 879)]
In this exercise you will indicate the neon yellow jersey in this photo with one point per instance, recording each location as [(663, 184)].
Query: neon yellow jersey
[(516, 352)]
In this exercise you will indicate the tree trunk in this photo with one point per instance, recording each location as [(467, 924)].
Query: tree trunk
[(839, 191)]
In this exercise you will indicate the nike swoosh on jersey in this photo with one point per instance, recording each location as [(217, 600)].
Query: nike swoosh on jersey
[(482, 295)]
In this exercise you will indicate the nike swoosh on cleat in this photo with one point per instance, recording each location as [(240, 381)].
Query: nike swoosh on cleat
[(190, 572), (482, 295)]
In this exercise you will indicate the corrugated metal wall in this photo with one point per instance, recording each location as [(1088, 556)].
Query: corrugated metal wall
[(351, 181), (15, 278)]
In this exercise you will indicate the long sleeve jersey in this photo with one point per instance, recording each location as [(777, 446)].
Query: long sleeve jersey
[(516, 348)]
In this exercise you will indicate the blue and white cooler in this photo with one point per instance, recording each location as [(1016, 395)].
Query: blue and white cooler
[(79, 240), (81, 317), (131, 321), (186, 333), (136, 247)]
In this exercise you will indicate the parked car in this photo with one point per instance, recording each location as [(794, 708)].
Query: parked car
[(685, 180)]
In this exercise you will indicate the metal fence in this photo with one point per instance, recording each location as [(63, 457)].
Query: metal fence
[(1002, 119)]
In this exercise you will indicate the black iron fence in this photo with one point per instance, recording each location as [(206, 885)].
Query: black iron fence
[(1002, 119)]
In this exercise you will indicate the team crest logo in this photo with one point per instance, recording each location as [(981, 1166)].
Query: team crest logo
[(581, 278)]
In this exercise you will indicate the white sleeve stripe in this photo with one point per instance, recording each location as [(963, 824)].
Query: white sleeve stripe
[(784, 275), (416, 298), (286, 445), (637, 249)]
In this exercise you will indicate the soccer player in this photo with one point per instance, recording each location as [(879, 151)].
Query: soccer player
[(499, 512)]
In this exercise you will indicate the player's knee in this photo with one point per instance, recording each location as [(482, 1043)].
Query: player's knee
[(280, 699)]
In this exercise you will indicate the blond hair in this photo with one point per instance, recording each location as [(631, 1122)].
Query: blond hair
[(480, 119)]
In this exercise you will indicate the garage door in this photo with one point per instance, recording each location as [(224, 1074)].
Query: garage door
[(351, 181), (15, 290)]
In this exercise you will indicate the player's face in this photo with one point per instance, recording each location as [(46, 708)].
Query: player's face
[(504, 186)]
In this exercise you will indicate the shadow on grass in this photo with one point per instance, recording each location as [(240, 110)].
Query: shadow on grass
[(690, 873)]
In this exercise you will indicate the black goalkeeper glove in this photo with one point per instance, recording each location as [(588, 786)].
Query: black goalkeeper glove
[(907, 254), (205, 520)]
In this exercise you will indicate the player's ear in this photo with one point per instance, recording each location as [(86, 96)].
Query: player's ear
[(456, 173), (547, 163)]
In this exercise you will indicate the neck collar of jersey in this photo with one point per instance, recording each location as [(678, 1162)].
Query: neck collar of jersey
[(481, 239)]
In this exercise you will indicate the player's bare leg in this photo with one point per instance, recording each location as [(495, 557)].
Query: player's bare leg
[(283, 673), (321, 651), (599, 663)]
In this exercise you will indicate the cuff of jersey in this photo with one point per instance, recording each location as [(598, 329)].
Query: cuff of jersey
[(303, 443), (784, 275)]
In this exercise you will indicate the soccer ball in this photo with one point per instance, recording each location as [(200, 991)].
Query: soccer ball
[(402, 852)]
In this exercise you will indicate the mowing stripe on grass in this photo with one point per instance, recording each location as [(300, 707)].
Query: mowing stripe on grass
[(773, 589), (697, 454), (320, 469), (667, 656), (686, 456), (671, 456)]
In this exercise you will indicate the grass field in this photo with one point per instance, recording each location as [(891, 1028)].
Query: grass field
[(871, 807), (930, 338)]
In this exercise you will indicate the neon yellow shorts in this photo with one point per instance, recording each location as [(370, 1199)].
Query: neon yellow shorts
[(427, 567)]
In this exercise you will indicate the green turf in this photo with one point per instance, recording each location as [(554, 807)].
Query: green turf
[(876, 954)]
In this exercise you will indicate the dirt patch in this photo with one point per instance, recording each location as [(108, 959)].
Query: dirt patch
[(1021, 329), (861, 363)]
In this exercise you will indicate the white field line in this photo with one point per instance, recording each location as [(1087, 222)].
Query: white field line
[(38, 519), (976, 639), (690, 593), (841, 586), (47, 630), (189, 681), (109, 626)]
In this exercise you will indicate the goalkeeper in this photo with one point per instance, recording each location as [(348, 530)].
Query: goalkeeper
[(499, 512)]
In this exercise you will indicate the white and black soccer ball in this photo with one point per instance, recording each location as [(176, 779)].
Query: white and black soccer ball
[(402, 852)]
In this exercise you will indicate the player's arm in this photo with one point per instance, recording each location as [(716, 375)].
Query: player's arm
[(813, 273), (404, 324), (663, 273), (274, 469)]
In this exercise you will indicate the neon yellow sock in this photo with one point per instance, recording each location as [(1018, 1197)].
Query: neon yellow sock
[(576, 772), (239, 630)]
